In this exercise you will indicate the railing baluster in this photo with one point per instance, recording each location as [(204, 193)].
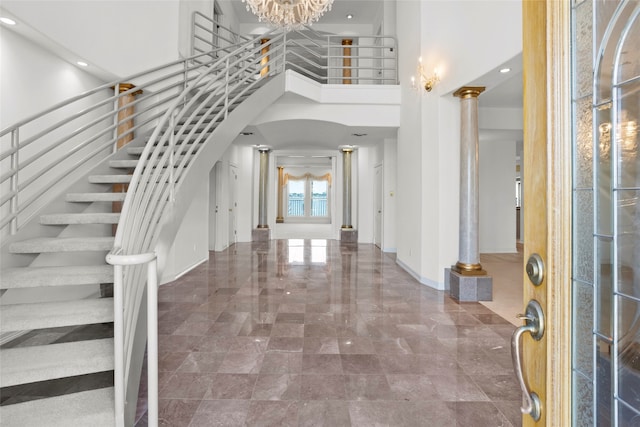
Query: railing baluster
[(116, 106), (152, 342), (15, 166), (118, 343), (226, 90), (172, 144)]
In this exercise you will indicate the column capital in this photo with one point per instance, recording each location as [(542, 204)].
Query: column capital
[(123, 87), (347, 42), (347, 149), (469, 91)]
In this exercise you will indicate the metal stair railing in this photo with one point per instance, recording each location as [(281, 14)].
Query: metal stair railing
[(180, 106), (39, 152), (186, 124), (373, 58)]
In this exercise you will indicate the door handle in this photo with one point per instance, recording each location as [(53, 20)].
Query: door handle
[(534, 324)]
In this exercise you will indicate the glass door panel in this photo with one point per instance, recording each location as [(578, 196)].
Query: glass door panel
[(606, 213)]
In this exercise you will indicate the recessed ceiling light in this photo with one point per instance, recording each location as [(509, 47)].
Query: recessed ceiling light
[(82, 64), (350, 16), (7, 21), (505, 70)]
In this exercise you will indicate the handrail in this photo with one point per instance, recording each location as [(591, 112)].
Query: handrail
[(366, 66), (119, 261), (181, 105), (178, 136), (80, 131)]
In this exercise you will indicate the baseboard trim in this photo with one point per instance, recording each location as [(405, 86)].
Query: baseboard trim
[(176, 276), (423, 280)]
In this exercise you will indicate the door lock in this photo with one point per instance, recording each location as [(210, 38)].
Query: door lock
[(534, 324), (535, 269)]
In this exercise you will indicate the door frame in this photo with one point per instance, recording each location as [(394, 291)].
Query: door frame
[(233, 205), (547, 112), (378, 201)]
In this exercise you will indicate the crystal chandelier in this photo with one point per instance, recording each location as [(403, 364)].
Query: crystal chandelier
[(288, 14)]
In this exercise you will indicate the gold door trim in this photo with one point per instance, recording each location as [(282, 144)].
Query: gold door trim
[(559, 122), (547, 171)]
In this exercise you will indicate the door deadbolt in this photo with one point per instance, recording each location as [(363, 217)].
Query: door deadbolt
[(535, 269)]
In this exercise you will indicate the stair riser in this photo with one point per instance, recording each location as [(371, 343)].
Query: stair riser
[(80, 219)]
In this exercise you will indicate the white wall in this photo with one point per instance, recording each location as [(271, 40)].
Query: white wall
[(121, 37), (187, 9), (33, 79), (390, 172), (497, 174), (242, 157), (485, 34), (191, 246)]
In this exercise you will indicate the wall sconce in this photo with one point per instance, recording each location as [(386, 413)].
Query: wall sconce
[(426, 82), (626, 137)]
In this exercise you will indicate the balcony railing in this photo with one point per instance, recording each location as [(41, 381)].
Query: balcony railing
[(296, 206), (319, 56)]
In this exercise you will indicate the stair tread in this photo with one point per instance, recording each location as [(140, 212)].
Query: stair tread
[(29, 277), (24, 365), (24, 317), (80, 218), (65, 244), (110, 179), (87, 408), (126, 164), (123, 165), (95, 197)]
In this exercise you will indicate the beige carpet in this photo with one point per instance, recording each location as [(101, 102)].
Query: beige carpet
[(507, 271)]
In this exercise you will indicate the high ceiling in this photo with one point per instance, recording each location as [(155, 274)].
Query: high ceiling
[(363, 11), (503, 91)]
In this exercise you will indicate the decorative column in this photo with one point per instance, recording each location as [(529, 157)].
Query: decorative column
[(347, 233), (126, 110), (346, 61), (262, 233), (280, 217), (265, 57), (467, 280)]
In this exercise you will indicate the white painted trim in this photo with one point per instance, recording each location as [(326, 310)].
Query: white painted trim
[(390, 250), (175, 277), (423, 280)]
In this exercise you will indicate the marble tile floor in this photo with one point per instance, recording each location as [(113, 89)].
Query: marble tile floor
[(315, 333), (312, 333)]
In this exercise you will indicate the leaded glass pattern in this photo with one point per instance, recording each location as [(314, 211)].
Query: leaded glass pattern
[(606, 218)]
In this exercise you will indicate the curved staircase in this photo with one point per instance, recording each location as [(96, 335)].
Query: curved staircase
[(78, 360), (51, 377)]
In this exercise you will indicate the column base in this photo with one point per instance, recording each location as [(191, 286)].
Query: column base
[(348, 235), (279, 220), (470, 288), (261, 234)]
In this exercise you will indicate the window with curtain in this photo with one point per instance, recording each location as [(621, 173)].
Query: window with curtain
[(307, 197)]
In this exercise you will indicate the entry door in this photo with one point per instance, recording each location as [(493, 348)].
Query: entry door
[(233, 204), (377, 203), (582, 183)]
